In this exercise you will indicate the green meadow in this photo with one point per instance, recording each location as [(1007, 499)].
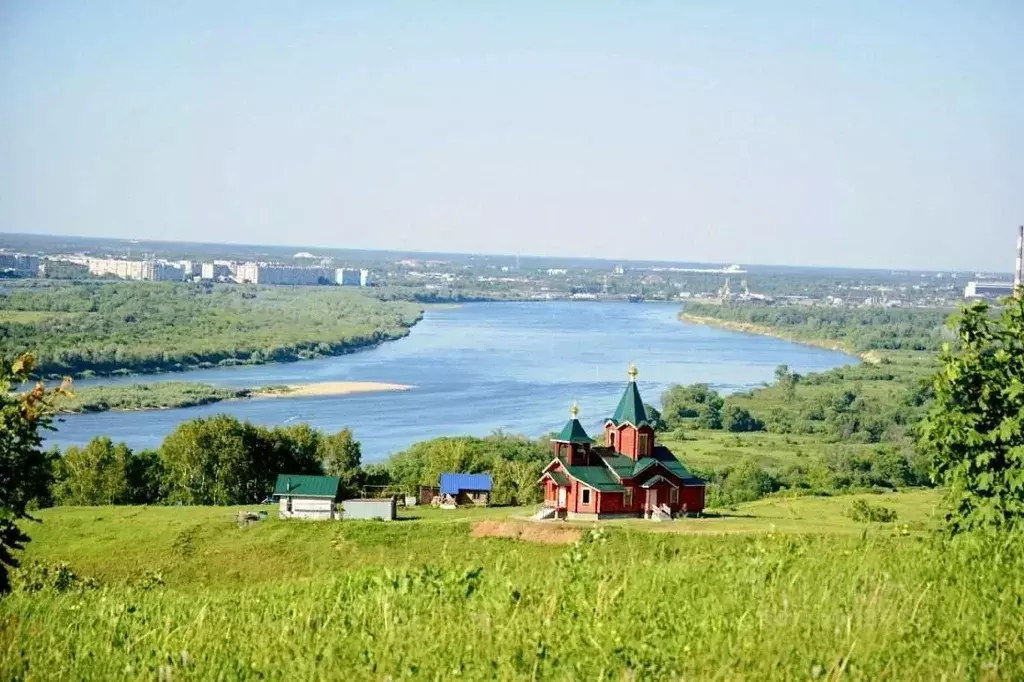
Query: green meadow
[(781, 588)]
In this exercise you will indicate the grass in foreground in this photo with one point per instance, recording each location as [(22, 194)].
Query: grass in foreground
[(421, 598)]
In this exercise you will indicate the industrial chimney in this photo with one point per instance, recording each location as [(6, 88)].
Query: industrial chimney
[(1018, 272)]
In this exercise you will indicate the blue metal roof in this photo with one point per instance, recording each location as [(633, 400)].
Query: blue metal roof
[(452, 484)]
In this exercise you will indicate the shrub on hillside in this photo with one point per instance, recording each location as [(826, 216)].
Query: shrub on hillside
[(864, 512), (739, 420)]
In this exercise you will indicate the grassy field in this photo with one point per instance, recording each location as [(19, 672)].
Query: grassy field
[(780, 589)]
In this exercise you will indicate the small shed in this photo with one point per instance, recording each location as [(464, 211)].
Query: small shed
[(427, 493), (374, 508), (306, 497), (467, 488)]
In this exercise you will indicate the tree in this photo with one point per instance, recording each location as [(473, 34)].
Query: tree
[(787, 380), (696, 401), (26, 471), (93, 475), (105, 473), (974, 431), (144, 474), (738, 419), (341, 456), (220, 460), (206, 461), (655, 418)]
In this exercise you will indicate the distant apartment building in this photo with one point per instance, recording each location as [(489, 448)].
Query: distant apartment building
[(260, 273), (167, 272), (351, 277), (154, 271), (18, 264), (217, 270), (990, 291)]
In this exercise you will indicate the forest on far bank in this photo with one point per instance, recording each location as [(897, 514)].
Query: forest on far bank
[(102, 328), (854, 329)]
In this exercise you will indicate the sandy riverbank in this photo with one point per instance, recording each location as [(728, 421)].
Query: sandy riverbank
[(328, 388), (872, 357)]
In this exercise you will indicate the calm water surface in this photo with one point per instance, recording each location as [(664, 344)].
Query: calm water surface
[(481, 367)]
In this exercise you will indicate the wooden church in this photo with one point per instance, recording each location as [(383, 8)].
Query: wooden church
[(629, 476)]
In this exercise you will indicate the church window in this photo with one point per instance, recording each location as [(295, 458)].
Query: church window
[(627, 497), (644, 447), (586, 496), (673, 496)]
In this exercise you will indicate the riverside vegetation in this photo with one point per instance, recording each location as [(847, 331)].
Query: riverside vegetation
[(110, 327), (170, 394), (184, 593)]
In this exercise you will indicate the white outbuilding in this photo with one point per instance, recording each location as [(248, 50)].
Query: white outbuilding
[(307, 497)]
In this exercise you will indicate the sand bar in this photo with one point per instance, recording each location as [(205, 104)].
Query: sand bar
[(323, 388)]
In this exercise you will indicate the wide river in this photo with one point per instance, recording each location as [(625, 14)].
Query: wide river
[(480, 367)]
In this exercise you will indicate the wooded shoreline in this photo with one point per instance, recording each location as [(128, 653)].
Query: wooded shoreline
[(872, 357)]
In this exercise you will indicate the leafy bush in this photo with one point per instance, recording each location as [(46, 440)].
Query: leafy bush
[(738, 419), (37, 576), (975, 429), (864, 512)]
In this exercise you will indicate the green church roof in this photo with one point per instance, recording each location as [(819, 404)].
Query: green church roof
[(597, 477), (573, 432), (558, 477), (631, 406)]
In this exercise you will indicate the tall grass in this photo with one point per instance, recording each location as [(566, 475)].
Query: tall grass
[(421, 599)]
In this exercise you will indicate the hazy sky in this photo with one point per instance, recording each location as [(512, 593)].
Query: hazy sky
[(885, 134)]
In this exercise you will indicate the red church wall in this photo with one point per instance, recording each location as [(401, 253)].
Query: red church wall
[(575, 499), (550, 492), (627, 441), (610, 503), (692, 498)]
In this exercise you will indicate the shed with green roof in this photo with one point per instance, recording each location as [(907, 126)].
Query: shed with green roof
[(303, 496)]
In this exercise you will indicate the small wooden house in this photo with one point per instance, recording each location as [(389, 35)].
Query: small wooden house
[(472, 489), (307, 497)]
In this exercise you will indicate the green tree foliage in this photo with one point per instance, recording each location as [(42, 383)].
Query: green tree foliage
[(655, 418), (855, 329), (221, 460), (164, 394), (25, 469), (94, 475), (514, 462), (106, 327), (738, 419), (106, 473), (696, 401), (975, 428), (865, 512), (341, 455), (742, 482)]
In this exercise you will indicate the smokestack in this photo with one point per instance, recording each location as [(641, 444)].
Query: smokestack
[(1018, 272)]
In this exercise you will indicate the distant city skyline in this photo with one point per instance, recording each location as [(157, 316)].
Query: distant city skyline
[(880, 135)]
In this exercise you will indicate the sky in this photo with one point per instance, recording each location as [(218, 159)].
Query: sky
[(863, 134)]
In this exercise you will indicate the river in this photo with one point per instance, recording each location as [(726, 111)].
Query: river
[(481, 367)]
